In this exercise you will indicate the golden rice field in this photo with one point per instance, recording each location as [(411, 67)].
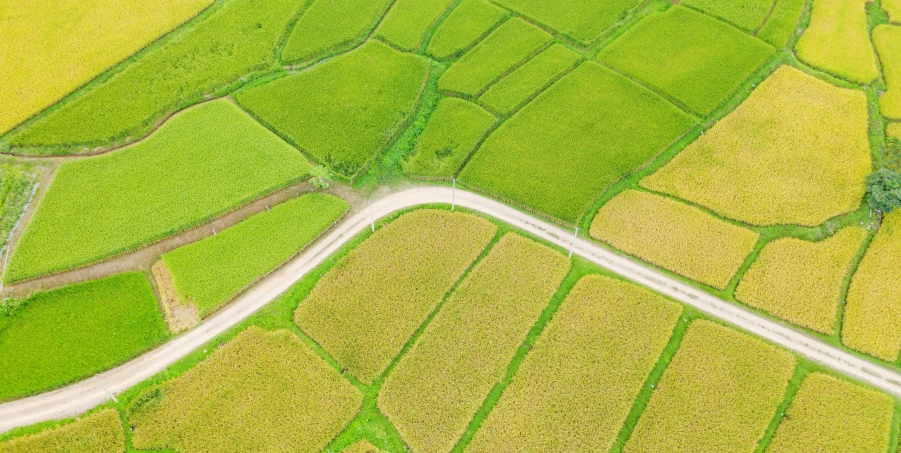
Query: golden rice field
[(674, 236), (441, 382), (361, 447), (795, 152), (887, 39), (52, 48), (718, 394), (800, 281), (100, 432), (576, 387), (894, 130), (830, 414), (837, 40), (893, 8), (252, 394), (872, 321)]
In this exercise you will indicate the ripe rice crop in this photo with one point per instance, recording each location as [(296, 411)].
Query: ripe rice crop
[(837, 40), (580, 20), (331, 26), (795, 152), (801, 282), (361, 447), (237, 39), (153, 189), (212, 270), (366, 308), (440, 383), (748, 15), (409, 21), (893, 8), (453, 131), (887, 39), (468, 23), (693, 57), (831, 414), (59, 336), (577, 385), (893, 130), (100, 432), (261, 391), (43, 60), (718, 394), (674, 236), (16, 186), (783, 22), (548, 156), (344, 111), (528, 80), (514, 42), (872, 321)]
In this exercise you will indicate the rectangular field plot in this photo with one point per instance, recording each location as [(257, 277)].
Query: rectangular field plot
[(56, 337), (696, 59), (101, 432), (408, 22), (577, 385), (261, 391), (580, 20), (749, 15), (527, 80), (469, 22), (366, 308), (16, 186), (330, 26), (154, 188), (837, 40), (576, 138), (887, 39), (442, 381), (718, 394)]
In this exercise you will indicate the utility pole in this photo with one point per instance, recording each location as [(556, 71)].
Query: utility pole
[(371, 218), (573, 244)]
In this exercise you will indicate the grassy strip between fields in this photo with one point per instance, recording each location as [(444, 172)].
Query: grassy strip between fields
[(100, 432), (330, 26), (838, 41), (467, 24)]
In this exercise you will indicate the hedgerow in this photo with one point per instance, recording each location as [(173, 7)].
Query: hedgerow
[(330, 26), (464, 27), (577, 385), (549, 156), (837, 40), (783, 22), (674, 236), (344, 111), (831, 414), (45, 61), (718, 394), (514, 42), (887, 39), (205, 161), (100, 432), (261, 391), (361, 447), (802, 281), (440, 383), (55, 337), (409, 21), (454, 129), (237, 39), (695, 58), (748, 15), (525, 82), (872, 321), (366, 308), (212, 270), (580, 20), (16, 186), (795, 152)]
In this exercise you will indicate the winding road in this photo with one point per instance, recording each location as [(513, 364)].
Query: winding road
[(84, 395)]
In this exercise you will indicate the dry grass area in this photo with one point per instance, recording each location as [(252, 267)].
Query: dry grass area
[(442, 381), (837, 40), (801, 282), (100, 432), (887, 39), (608, 334), (674, 236), (795, 152), (180, 315)]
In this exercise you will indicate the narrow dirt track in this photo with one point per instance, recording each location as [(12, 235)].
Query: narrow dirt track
[(79, 397)]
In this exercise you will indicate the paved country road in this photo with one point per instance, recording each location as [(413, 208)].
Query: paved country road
[(79, 397)]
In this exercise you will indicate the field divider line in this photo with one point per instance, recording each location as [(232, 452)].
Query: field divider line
[(82, 396)]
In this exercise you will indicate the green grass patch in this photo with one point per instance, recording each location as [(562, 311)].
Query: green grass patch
[(205, 161), (56, 337), (579, 136), (210, 271), (581, 20), (783, 23), (100, 432), (409, 21), (694, 58), (748, 15), (16, 186), (345, 111), (468, 23), (330, 26), (529, 79)]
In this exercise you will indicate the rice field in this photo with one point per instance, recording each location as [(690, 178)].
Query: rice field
[(674, 236), (893, 9), (795, 152), (17, 183), (783, 22), (608, 334), (261, 391), (749, 15), (466, 25), (440, 383), (887, 39), (361, 447), (580, 20), (528, 80), (331, 26), (100, 432), (837, 41), (409, 21)]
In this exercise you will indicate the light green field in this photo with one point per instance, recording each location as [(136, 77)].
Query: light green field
[(783, 22), (332, 26), (749, 15), (528, 80), (581, 20), (408, 22), (16, 186), (469, 22)]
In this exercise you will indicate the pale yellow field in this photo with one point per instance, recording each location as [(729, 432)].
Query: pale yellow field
[(872, 321), (801, 282), (893, 8), (50, 48), (674, 236), (887, 39), (893, 130), (837, 40), (101, 432), (795, 152)]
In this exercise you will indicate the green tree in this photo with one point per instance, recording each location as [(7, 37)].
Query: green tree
[(320, 177), (884, 190)]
